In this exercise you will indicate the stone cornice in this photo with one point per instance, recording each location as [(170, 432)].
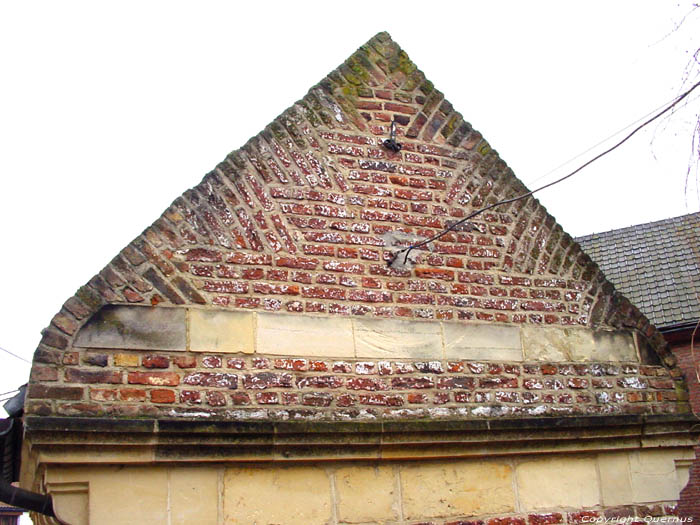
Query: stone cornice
[(90, 440)]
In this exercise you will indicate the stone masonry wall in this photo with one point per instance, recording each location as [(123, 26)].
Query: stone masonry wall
[(528, 490)]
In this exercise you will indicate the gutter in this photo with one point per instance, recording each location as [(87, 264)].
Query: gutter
[(10, 436)]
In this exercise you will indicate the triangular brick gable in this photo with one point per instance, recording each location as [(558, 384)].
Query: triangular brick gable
[(300, 220)]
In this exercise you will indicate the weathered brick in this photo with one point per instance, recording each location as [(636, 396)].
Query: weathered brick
[(154, 378), (215, 398), (155, 361), (544, 519), (265, 380), (240, 398), (381, 399), (185, 361), (69, 393), (162, 395), (75, 375), (44, 373), (320, 382), (132, 394), (366, 383), (190, 397), (267, 398), (317, 399), (405, 383)]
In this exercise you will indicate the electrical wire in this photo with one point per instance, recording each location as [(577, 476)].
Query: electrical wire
[(599, 143), (15, 355), (453, 226), (10, 392)]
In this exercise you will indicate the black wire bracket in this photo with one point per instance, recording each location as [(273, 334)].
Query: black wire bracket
[(391, 143)]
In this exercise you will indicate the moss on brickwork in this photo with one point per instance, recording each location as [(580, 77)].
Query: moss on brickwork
[(299, 222)]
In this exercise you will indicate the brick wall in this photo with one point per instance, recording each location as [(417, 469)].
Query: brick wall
[(176, 385), (690, 497), (307, 215)]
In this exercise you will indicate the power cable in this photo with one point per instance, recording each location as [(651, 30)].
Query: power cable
[(15, 355), (453, 226), (10, 392), (603, 141)]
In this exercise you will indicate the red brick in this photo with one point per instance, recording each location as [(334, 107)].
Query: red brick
[(240, 398), (366, 383), (291, 364), (185, 361), (412, 383), (70, 393), (74, 375), (322, 293), (400, 108), (202, 255), (190, 397), (319, 382), (211, 361), (317, 399), (506, 521), (154, 378), (347, 267), (132, 394), (371, 282), (103, 394), (266, 380), (44, 373), (163, 396), (318, 366), (545, 519), (267, 398), (301, 263), (369, 296), (435, 273), (155, 361), (381, 399), (216, 398), (417, 398)]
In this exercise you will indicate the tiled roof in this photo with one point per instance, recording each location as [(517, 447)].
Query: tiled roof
[(655, 265)]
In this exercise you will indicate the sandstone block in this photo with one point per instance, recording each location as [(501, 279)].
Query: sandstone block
[(444, 489), (366, 494), (386, 338), (135, 328), (266, 495), (304, 336), (221, 331), (557, 482), (482, 342), (554, 344), (193, 495)]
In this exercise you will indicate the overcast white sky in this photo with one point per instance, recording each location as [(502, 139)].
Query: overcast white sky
[(109, 111)]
